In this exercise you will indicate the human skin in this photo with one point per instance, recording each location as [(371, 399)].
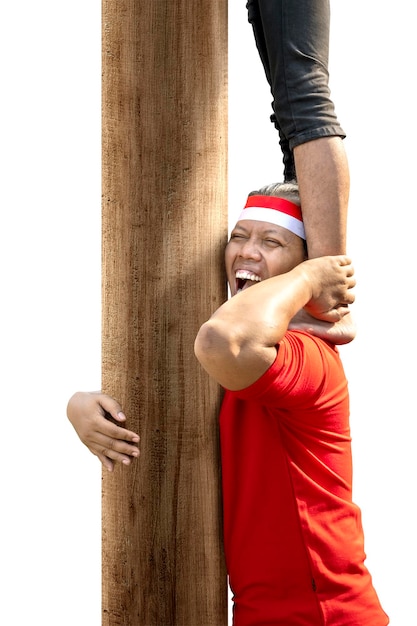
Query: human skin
[(89, 412), (238, 343), (275, 257), (324, 185)]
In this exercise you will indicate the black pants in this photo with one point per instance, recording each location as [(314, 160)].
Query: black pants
[(292, 37)]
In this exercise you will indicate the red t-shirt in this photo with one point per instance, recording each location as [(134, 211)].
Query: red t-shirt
[(293, 537)]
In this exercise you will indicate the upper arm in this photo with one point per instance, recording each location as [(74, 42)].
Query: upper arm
[(234, 363)]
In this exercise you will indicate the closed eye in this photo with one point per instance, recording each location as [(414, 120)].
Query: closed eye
[(237, 236)]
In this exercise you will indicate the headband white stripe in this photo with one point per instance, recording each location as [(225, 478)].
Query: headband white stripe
[(273, 216)]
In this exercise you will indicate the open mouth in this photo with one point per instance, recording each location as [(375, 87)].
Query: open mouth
[(245, 279)]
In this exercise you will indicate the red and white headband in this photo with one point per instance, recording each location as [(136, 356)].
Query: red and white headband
[(276, 211)]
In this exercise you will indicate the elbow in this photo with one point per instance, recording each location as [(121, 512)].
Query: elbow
[(205, 342), (211, 345)]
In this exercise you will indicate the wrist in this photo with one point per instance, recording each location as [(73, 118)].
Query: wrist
[(307, 281)]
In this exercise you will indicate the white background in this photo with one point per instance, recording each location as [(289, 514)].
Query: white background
[(50, 283)]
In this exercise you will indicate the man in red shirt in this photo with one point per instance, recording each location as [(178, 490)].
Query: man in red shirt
[(293, 537)]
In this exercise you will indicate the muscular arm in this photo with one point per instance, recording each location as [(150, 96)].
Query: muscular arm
[(238, 343)]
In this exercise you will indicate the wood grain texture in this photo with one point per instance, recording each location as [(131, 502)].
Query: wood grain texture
[(164, 226)]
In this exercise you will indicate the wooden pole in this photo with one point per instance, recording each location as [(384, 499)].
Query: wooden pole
[(164, 228)]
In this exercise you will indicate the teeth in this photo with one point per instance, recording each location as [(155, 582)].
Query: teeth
[(245, 275)]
